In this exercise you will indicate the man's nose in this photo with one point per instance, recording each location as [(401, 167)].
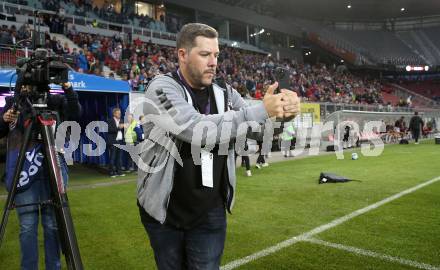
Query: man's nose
[(212, 61)]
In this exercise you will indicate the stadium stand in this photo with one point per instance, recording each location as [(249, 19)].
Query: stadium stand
[(137, 59), (385, 46), (429, 88), (248, 72)]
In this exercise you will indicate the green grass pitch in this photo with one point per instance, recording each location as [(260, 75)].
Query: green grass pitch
[(275, 204)]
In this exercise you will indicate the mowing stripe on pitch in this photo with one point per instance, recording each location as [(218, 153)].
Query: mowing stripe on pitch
[(322, 228), (373, 254), (90, 186)]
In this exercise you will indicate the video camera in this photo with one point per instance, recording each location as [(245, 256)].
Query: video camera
[(43, 69)]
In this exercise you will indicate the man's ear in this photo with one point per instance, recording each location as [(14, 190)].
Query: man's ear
[(182, 54)]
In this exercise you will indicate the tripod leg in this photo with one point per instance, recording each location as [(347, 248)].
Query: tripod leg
[(61, 205), (11, 195)]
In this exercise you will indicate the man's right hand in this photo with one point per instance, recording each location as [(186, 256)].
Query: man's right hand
[(10, 116), (274, 103)]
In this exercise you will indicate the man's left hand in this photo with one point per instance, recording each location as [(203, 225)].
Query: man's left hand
[(292, 103)]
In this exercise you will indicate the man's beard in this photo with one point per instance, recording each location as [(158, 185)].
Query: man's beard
[(197, 77)]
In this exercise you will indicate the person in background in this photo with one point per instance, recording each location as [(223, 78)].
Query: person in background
[(139, 129), (35, 188), (82, 62), (261, 159), (288, 140), (258, 94), (130, 138), (399, 125), (115, 136), (245, 159), (345, 140), (415, 126)]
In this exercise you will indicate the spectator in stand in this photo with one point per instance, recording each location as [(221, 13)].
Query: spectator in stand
[(90, 60), (48, 45), (50, 5), (250, 85), (94, 23), (74, 54), (5, 37), (134, 82), (13, 38), (142, 81), (95, 67), (57, 24), (66, 49), (403, 103), (126, 52), (246, 70), (72, 31), (258, 94), (116, 53), (100, 57), (409, 101), (137, 42), (82, 61), (57, 47), (24, 32), (95, 46), (389, 107), (80, 10)]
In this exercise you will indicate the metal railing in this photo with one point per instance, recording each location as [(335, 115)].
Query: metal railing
[(329, 108), (10, 55)]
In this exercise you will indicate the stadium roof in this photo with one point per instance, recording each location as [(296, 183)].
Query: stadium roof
[(339, 10)]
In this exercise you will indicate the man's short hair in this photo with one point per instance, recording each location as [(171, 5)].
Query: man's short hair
[(189, 32), (115, 110)]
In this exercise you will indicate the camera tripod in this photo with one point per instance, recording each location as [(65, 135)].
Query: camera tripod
[(43, 119)]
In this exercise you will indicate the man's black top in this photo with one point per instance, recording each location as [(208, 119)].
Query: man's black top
[(113, 130), (416, 123), (190, 201)]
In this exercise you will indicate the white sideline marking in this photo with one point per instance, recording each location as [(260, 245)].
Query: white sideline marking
[(373, 254), (322, 228)]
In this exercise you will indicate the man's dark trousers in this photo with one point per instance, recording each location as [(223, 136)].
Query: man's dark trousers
[(199, 248), (416, 134), (115, 159)]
